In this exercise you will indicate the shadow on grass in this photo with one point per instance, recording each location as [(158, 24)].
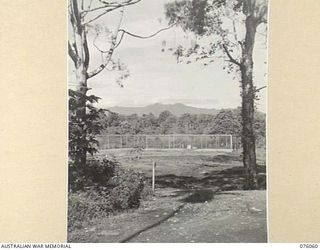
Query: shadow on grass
[(225, 180), (199, 196), (226, 158)]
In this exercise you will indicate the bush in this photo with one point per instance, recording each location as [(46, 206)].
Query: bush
[(96, 173), (113, 191), (127, 186), (84, 206)]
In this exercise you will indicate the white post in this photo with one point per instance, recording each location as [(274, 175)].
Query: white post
[(231, 146), (153, 175)]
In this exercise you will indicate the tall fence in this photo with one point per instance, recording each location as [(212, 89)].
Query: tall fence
[(172, 141)]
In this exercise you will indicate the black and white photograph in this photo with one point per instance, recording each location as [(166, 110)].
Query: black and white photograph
[(167, 107)]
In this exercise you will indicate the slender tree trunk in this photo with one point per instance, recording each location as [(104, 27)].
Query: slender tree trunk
[(81, 68), (248, 96)]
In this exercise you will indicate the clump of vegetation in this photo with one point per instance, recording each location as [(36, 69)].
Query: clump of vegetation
[(95, 173), (107, 189), (97, 188)]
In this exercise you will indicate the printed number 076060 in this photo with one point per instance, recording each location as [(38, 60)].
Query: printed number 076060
[(308, 245)]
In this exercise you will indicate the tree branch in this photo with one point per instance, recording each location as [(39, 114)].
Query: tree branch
[(95, 9), (106, 5), (111, 7), (231, 59), (110, 51), (72, 53), (76, 15), (258, 89), (120, 40), (148, 36), (86, 50), (114, 45)]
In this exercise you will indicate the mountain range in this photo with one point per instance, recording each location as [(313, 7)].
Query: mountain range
[(177, 109)]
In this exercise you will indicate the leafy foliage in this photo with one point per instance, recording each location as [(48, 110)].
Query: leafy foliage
[(216, 24), (127, 187), (227, 122), (121, 191), (191, 15), (83, 126), (96, 173)]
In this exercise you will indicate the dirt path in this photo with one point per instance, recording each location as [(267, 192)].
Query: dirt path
[(228, 217), (175, 216), (198, 199)]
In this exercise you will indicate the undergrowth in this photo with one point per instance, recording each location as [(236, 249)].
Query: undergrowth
[(102, 189)]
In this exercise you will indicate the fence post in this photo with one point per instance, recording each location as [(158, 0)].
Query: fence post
[(153, 175)]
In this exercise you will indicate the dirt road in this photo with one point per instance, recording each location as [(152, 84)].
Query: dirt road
[(172, 216)]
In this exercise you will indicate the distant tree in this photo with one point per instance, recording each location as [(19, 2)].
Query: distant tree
[(163, 116), (135, 124), (187, 123), (217, 25), (167, 122), (149, 123), (112, 120), (226, 122), (204, 122)]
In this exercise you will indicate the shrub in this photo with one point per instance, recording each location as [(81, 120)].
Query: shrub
[(87, 205), (118, 189), (96, 173), (127, 187)]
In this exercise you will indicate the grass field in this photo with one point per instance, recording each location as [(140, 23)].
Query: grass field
[(190, 168), (199, 197)]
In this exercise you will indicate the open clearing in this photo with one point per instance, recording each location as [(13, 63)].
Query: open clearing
[(198, 198)]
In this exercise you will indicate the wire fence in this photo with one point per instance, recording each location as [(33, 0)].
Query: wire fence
[(172, 141)]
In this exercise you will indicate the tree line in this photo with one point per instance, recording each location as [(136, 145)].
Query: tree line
[(226, 121)]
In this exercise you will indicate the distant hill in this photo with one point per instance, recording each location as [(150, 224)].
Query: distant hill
[(176, 109)]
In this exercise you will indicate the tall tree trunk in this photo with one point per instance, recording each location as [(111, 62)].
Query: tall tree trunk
[(248, 96), (81, 66)]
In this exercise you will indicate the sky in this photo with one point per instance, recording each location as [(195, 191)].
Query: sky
[(156, 76)]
